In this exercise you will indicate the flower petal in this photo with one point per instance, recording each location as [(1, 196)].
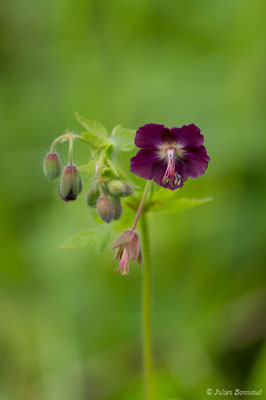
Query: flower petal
[(118, 253), (149, 135), (142, 163), (158, 174), (182, 170), (124, 239), (168, 137), (197, 160), (140, 257), (134, 247), (188, 135)]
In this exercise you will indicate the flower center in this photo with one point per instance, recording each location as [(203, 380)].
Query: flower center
[(123, 266), (171, 176)]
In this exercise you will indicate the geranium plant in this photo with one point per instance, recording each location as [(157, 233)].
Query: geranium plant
[(166, 158)]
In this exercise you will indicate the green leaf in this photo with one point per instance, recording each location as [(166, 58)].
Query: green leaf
[(96, 237), (109, 150), (97, 134), (88, 169), (102, 239), (123, 138), (161, 194), (93, 139), (92, 126), (175, 205), (112, 166)]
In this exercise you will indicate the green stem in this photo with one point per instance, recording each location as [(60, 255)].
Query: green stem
[(82, 139), (70, 150), (65, 137), (146, 307), (141, 204), (58, 139)]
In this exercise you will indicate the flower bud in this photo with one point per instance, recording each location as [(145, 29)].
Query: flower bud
[(105, 209), (119, 188), (70, 184), (91, 197), (107, 173), (117, 207), (52, 165)]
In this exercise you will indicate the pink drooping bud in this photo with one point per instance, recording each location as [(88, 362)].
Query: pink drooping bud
[(105, 209), (128, 248), (70, 184)]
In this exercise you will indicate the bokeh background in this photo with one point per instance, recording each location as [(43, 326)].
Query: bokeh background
[(69, 325)]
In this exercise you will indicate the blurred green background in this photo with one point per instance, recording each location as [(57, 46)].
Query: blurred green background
[(69, 325)]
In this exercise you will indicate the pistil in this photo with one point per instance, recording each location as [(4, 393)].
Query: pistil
[(171, 176)]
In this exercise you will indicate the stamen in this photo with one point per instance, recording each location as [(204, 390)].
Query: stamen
[(170, 176), (123, 266), (177, 179)]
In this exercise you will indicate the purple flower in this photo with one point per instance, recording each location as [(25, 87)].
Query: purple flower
[(128, 248), (169, 156)]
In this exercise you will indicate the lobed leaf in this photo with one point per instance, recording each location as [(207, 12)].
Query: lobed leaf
[(96, 237), (88, 169), (92, 126), (96, 134), (94, 140), (123, 138), (176, 205)]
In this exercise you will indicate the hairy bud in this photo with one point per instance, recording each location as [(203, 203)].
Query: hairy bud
[(117, 207), (91, 197), (52, 165), (105, 209), (70, 184), (119, 188)]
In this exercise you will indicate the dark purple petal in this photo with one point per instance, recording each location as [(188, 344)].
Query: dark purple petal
[(168, 137), (196, 159), (182, 170), (154, 162), (158, 170), (142, 163), (150, 135), (188, 135)]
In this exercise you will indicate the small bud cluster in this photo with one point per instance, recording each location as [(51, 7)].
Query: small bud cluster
[(70, 182), (106, 186), (105, 196)]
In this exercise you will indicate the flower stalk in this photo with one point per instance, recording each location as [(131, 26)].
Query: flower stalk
[(146, 297), (146, 311), (141, 204), (70, 150)]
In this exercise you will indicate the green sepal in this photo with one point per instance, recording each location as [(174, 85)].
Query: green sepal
[(108, 173)]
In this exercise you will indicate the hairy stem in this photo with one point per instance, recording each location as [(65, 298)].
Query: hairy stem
[(58, 139), (141, 204), (146, 310), (70, 150)]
